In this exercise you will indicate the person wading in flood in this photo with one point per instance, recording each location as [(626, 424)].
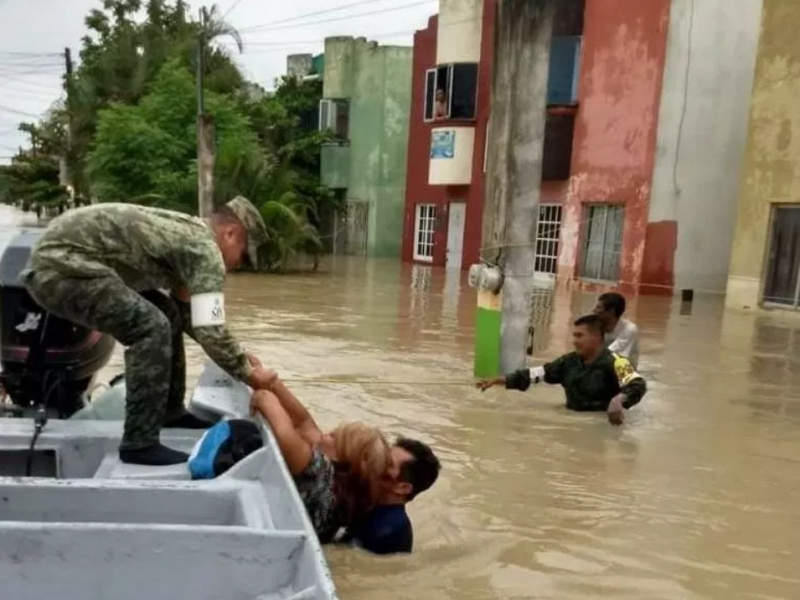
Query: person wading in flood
[(593, 377), (621, 335), (102, 267)]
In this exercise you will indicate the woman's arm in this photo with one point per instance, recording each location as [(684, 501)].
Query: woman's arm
[(301, 418), (296, 450)]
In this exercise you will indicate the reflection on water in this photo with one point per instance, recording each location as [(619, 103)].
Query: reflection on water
[(697, 497)]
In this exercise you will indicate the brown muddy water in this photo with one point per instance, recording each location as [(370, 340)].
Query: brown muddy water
[(697, 497)]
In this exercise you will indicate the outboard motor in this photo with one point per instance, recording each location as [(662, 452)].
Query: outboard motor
[(47, 363)]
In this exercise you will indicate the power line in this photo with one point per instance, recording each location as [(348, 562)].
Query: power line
[(230, 10), (379, 36), (315, 13), (18, 112), (273, 27), (28, 54)]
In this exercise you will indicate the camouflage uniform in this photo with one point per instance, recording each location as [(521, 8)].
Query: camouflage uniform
[(101, 266)]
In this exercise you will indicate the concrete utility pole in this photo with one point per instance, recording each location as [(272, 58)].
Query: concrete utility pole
[(523, 34), (205, 133), (69, 158)]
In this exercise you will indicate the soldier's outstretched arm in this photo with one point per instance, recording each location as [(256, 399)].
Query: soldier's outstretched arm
[(203, 319)]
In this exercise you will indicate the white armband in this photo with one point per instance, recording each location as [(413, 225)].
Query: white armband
[(208, 310), (537, 374)]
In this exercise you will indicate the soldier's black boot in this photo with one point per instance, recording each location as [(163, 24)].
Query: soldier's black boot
[(187, 421), (156, 455)]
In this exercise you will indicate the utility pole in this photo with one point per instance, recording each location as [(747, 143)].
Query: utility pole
[(69, 157), (205, 133), (523, 34)]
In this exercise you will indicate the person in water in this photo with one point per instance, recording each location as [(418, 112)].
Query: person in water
[(103, 266), (621, 335), (338, 474), (593, 377), (386, 529)]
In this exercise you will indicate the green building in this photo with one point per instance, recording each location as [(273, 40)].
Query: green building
[(366, 102)]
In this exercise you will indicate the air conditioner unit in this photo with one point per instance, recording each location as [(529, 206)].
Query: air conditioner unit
[(327, 115)]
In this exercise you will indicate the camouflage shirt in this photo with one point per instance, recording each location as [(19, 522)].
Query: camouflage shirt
[(148, 248), (588, 386)]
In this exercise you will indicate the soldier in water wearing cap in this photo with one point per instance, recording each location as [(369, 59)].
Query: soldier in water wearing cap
[(102, 267)]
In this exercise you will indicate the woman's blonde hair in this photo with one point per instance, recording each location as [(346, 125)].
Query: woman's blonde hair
[(363, 457)]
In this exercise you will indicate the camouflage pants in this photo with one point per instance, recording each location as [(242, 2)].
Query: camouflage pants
[(147, 324)]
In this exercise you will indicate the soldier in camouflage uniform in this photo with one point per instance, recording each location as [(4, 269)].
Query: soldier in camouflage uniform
[(102, 267)]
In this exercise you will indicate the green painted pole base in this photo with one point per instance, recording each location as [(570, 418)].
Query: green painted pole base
[(488, 319)]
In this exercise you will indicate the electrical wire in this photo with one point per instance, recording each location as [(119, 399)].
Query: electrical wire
[(230, 10), (267, 27), (311, 14)]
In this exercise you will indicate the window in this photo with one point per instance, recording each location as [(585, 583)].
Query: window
[(603, 242), (430, 94), (458, 84), (423, 232), (335, 116), (548, 231), (564, 73)]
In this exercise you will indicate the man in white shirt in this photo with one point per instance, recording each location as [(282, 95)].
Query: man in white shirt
[(622, 335)]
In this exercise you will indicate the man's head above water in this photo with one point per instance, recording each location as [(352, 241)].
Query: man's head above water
[(414, 469), (610, 308), (588, 336)]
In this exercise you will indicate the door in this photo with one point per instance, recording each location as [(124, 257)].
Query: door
[(457, 216), (783, 262)]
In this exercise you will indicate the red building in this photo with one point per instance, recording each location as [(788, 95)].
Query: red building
[(604, 94)]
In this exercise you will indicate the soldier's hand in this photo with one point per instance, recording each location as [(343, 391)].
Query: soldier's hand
[(263, 378), (616, 412)]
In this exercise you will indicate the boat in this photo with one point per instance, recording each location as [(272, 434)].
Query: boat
[(75, 522)]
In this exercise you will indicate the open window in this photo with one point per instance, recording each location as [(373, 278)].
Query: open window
[(334, 115), (430, 94), (451, 92)]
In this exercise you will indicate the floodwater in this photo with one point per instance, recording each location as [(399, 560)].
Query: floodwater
[(696, 497)]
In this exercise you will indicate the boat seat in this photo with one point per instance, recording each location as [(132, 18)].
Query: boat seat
[(113, 468)]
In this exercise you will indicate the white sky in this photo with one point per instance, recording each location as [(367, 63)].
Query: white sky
[(271, 29)]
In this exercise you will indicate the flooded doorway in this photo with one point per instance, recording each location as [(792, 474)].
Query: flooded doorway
[(783, 261), (352, 229), (456, 218)]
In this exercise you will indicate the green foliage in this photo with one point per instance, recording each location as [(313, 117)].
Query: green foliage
[(131, 110), (32, 180), (147, 152)]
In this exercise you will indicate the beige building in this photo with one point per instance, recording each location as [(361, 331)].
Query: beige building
[(765, 258)]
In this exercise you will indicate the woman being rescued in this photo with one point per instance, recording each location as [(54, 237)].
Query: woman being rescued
[(337, 474)]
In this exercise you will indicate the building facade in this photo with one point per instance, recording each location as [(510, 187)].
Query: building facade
[(366, 100), (646, 121), (766, 251)]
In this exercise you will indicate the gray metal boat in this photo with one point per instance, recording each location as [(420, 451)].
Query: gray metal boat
[(75, 522)]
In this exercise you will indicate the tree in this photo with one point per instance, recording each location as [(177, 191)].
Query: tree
[(131, 112), (146, 152), (285, 122), (34, 181)]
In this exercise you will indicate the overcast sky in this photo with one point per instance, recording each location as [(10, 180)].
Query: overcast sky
[(34, 33)]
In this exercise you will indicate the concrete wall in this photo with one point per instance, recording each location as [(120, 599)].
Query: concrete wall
[(459, 31), (377, 80), (702, 131), (615, 129), (771, 172)]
